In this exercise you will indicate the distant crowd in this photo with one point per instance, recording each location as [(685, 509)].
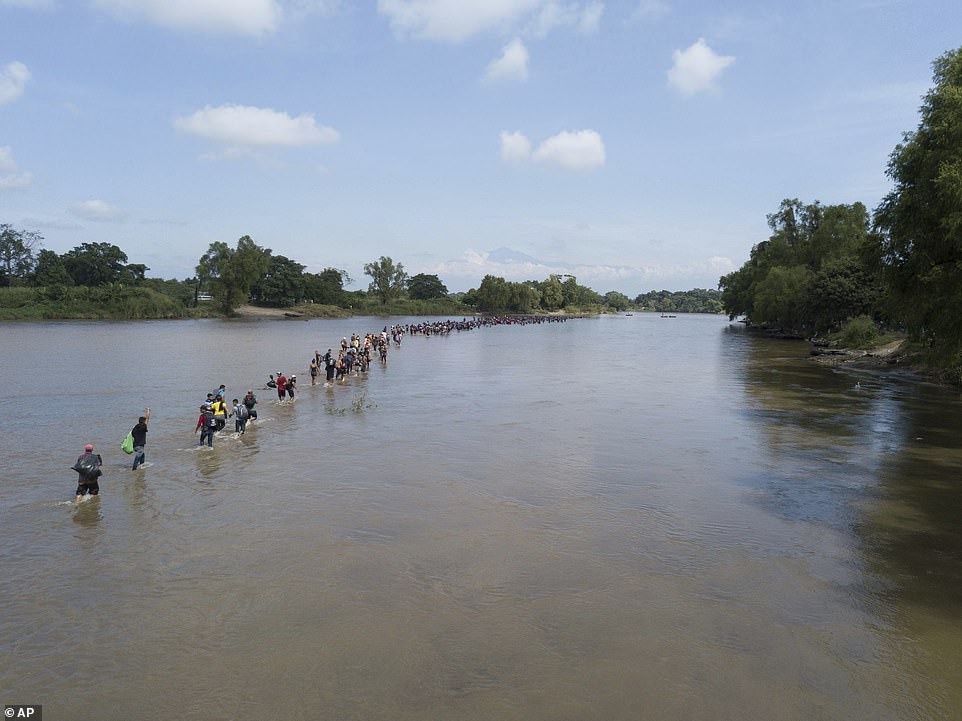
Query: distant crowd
[(352, 358)]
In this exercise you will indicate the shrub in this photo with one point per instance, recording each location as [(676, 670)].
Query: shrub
[(860, 332)]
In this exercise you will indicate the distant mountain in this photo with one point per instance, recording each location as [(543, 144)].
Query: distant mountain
[(506, 255)]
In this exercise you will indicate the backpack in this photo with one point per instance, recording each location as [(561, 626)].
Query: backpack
[(86, 465), (243, 413), (211, 421)]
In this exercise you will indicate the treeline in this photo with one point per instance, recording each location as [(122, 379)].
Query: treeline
[(812, 274), (93, 280), (497, 295), (900, 266), (96, 280), (698, 300)]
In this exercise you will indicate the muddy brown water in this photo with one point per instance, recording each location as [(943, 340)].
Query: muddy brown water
[(612, 518)]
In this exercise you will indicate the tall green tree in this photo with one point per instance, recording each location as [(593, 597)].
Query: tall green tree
[(282, 285), (134, 273), (51, 270), (523, 297), (780, 299), (841, 289), (425, 287), (387, 279), (810, 274), (552, 293), (18, 254), (493, 294), (920, 220), (95, 264), (616, 300), (229, 272), (326, 287)]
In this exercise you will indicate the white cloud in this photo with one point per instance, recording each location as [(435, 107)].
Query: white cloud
[(457, 20), (96, 210), (473, 265), (512, 65), (569, 149), (10, 178), (452, 20), (696, 68), (15, 180), (245, 126), (246, 17), (13, 79), (515, 147), (573, 150), (584, 18)]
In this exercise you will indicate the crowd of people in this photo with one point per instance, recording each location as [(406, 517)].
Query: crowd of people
[(352, 358)]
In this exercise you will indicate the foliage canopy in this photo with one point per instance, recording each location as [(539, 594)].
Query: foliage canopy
[(920, 221)]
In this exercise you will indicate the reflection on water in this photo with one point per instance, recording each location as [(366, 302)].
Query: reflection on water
[(611, 518), (87, 512), (890, 466)]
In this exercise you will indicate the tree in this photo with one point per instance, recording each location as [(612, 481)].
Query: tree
[(134, 273), (840, 290), (387, 279), (51, 270), (94, 264), (426, 287), (697, 300), (780, 298), (493, 294), (575, 295), (229, 272), (18, 253), (523, 297), (552, 293), (616, 300), (326, 287), (282, 285), (919, 245), (811, 274)]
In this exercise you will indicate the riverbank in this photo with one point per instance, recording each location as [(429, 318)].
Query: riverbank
[(899, 354), (893, 353), (111, 302), (301, 312)]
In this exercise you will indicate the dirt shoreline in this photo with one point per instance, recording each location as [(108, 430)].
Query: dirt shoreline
[(895, 357), (881, 356), (253, 312)]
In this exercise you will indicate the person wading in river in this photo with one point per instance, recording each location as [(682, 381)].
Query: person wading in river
[(139, 432), (88, 467)]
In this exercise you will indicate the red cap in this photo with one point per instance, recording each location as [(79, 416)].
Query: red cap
[(88, 447)]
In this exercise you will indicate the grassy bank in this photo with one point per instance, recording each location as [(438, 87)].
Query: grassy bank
[(437, 306), (119, 302), (111, 302)]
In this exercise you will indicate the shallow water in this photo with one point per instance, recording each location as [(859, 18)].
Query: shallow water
[(614, 518)]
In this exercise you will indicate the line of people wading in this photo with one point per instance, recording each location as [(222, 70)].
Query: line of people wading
[(353, 357)]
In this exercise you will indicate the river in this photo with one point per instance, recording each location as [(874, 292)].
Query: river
[(611, 518)]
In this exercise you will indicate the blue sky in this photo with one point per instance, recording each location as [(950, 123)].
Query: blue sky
[(636, 144)]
